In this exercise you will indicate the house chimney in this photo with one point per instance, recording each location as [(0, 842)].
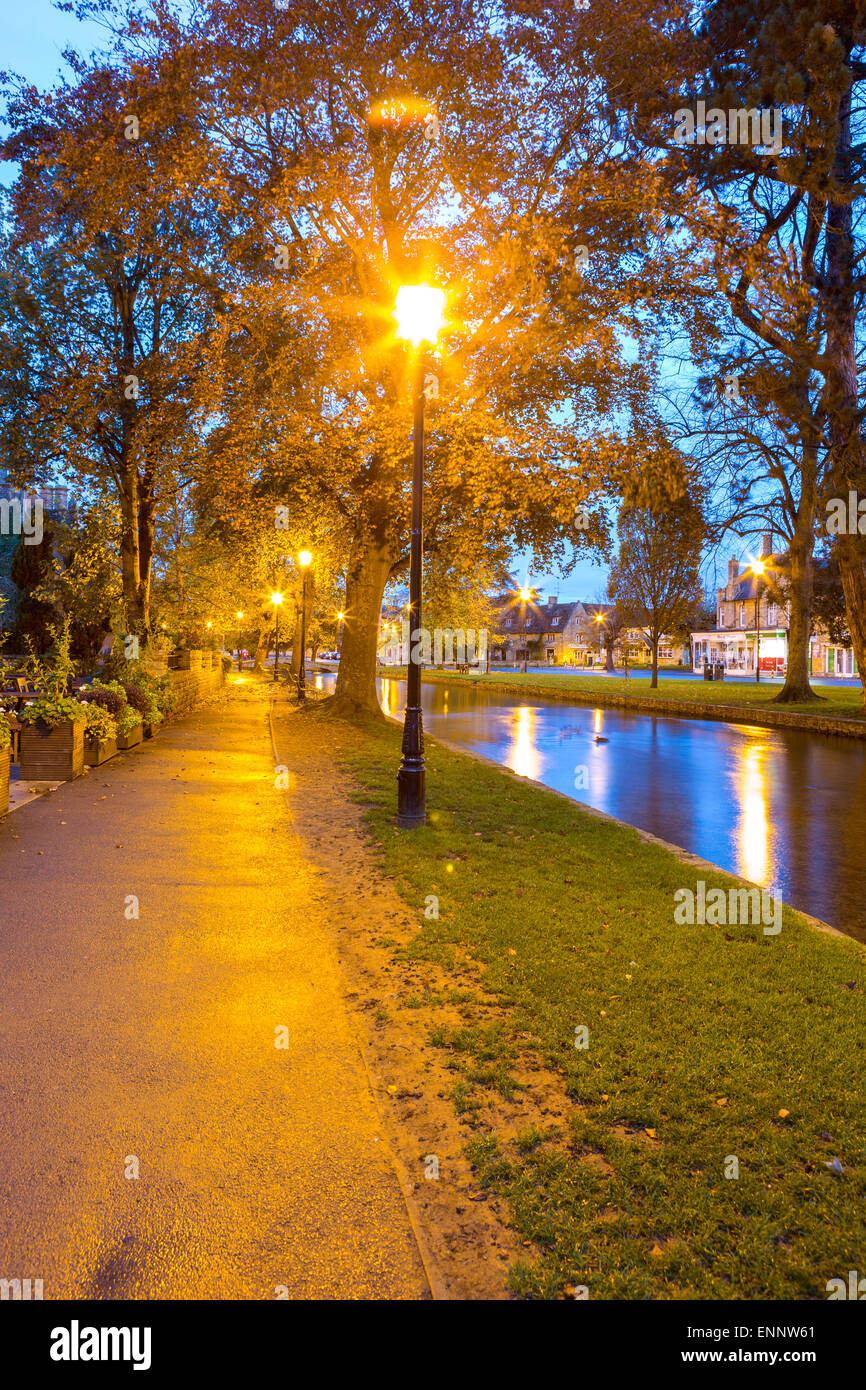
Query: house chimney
[(551, 600), (733, 570), (767, 548)]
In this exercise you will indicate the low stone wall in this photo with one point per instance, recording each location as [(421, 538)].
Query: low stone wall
[(194, 688)]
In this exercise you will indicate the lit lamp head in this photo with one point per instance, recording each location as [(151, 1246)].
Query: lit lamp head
[(419, 311), (239, 614), (525, 595), (758, 566), (341, 616), (277, 599), (304, 558), (210, 624)]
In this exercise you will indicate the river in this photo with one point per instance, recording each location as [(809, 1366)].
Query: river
[(785, 810)]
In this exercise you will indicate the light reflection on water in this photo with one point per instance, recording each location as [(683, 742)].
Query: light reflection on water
[(785, 810)]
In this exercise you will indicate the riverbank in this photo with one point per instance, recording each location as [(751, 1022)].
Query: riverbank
[(706, 1141), (842, 712)]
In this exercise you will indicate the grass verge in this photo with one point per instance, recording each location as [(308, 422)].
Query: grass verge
[(706, 1045)]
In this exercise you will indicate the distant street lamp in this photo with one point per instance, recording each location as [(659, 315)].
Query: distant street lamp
[(419, 311), (239, 615), (758, 568), (525, 595), (341, 618), (304, 560), (276, 600)]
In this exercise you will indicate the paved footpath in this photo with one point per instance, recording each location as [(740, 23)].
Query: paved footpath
[(259, 1168)]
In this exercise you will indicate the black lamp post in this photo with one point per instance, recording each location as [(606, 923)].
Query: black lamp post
[(304, 558), (419, 318), (758, 568)]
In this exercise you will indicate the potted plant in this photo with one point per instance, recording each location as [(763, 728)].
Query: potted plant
[(129, 728), (158, 696), (114, 697), (100, 734), (5, 762), (52, 739), (52, 725)]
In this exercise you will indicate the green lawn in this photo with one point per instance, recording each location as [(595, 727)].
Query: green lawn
[(703, 1035), (841, 701)]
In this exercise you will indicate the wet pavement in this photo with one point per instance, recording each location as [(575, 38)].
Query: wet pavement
[(148, 1043)]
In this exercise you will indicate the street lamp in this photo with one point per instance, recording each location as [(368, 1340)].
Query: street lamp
[(419, 311), (276, 600), (304, 559), (599, 618), (758, 568), (239, 615), (525, 595), (340, 618)]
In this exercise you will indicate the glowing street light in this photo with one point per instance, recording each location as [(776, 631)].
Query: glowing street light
[(525, 595), (420, 312), (304, 560), (276, 600)]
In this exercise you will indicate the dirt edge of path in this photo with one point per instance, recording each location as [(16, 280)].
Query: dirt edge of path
[(463, 1231)]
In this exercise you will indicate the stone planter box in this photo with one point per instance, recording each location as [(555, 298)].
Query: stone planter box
[(52, 755), (130, 740), (5, 764), (98, 751)]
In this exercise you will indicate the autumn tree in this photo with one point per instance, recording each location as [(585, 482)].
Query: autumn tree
[(655, 575), (108, 300)]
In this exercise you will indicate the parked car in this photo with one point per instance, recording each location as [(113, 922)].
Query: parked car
[(328, 656)]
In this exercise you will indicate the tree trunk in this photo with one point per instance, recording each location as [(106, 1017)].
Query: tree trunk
[(846, 448), (368, 572), (608, 657), (799, 594), (130, 566), (146, 510), (295, 666), (654, 680), (261, 650), (852, 567)]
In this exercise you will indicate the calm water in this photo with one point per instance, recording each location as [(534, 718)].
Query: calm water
[(785, 810)]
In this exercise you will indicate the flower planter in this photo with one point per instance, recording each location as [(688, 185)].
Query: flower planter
[(52, 755), (98, 751), (5, 764), (151, 730), (130, 740)]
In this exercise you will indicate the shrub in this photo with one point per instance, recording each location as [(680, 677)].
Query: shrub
[(99, 723), (127, 720), (5, 732), (137, 698), (157, 688), (53, 710), (109, 700)]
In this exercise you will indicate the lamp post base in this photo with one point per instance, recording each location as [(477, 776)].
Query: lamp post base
[(412, 777)]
